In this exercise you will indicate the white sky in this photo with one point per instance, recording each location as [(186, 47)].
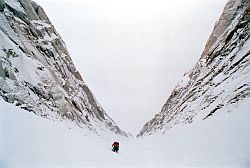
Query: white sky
[(132, 53)]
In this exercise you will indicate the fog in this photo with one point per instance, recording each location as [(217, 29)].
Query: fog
[(132, 53)]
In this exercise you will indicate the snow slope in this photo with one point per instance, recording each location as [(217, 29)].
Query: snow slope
[(29, 141)]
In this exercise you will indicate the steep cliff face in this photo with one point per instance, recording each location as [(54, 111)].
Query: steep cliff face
[(37, 73), (220, 80)]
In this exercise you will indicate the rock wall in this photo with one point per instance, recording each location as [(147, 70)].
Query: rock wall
[(37, 72), (219, 81)]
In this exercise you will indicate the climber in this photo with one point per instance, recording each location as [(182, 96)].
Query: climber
[(115, 147)]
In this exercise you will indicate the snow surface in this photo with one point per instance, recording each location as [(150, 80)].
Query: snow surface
[(29, 141)]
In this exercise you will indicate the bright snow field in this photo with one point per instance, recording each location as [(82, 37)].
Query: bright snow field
[(29, 141)]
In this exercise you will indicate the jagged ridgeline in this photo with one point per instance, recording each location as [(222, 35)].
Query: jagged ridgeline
[(220, 80), (37, 73)]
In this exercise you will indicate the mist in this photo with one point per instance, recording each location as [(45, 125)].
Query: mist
[(132, 53)]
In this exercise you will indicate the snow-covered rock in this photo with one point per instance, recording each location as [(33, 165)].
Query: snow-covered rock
[(37, 73), (220, 80)]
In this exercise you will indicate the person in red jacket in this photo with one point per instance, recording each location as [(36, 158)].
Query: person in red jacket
[(115, 147)]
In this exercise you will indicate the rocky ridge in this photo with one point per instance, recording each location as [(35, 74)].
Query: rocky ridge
[(37, 73), (219, 81)]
